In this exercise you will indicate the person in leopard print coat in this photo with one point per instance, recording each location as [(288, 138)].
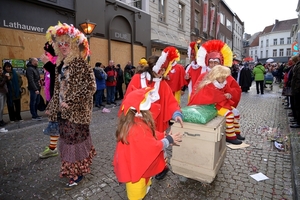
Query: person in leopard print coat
[(72, 102)]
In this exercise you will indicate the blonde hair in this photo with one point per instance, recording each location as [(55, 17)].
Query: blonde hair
[(127, 121), (75, 50), (216, 72)]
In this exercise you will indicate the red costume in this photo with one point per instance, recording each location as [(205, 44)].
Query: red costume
[(193, 70), (165, 106), (142, 158), (176, 78), (211, 53), (212, 95)]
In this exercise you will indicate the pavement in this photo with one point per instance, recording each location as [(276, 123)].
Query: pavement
[(263, 120)]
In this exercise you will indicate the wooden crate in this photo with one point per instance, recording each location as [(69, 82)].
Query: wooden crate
[(202, 150)]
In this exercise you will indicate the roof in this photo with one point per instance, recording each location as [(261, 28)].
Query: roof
[(285, 25), (255, 41), (268, 29)]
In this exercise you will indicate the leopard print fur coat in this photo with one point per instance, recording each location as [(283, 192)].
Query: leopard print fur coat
[(78, 94)]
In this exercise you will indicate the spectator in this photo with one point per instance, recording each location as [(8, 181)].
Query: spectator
[(14, 85), (259, 77), (128, 73), (120, 80), (34, 87), (3, 91), (245, 78), (111, 83), (100, 76), (295, 86)]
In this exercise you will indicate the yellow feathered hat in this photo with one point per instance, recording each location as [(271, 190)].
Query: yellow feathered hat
[(214, 49)]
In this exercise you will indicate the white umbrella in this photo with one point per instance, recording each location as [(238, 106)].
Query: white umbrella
[(270, 60)]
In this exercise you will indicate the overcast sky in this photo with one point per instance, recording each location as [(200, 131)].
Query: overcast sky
[(257, 14)]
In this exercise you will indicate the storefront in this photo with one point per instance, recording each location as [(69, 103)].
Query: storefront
[(122, 33)]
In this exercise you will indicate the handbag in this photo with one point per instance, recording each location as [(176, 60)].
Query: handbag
[(287, 91)]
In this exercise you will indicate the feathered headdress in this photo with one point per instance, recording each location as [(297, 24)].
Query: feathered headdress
[(193, 49), (76, 36), (168, 56), (213, 49), (137, 99)]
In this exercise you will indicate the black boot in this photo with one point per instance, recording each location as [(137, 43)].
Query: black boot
[(236, 141), (239, 137), (162, 174)]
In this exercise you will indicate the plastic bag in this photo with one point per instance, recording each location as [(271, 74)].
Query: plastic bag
[(199, 114)]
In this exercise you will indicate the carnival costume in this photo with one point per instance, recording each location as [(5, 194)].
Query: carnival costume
[(216, 50), (194, 69), (75, 86), (164, 105), (139, 151), (175, 78)]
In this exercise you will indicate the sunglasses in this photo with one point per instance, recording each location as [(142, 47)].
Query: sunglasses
[(65, 44)]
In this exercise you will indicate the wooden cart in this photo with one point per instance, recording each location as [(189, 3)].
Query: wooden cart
[(202, 150)]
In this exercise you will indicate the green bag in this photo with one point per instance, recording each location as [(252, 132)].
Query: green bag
[(199, 114)]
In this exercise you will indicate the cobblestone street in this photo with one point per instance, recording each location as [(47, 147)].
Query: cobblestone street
[(263, 119)]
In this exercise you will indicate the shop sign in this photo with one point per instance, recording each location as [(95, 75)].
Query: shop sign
[(17, 25), (118, 35)]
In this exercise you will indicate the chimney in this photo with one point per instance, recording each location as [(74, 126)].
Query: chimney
[(276, 21)]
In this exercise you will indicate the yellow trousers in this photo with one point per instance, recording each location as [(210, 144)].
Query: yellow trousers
[(138, 190)]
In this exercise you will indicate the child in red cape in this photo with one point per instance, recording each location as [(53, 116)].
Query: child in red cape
[(213, 88), (139, 152)]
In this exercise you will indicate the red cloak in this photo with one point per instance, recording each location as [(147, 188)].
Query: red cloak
[(167, 104), (212, 95), (176, 78), (142, 157)]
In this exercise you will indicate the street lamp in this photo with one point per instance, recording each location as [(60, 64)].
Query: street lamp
[(88, 27)]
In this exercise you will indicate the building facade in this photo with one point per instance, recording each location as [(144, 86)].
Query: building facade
[(275, 42), (122, 32)]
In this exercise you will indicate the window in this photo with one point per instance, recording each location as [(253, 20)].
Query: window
[(288, 52), (161, 11), (255, 52), (288, 40), (229, 42), (261, 44), (267, 43), (267, 53), (228, 24), (196, 21), (180, 15), (222, 19), (275, 42), (261, 54), (281, 40), (137, 4), (274, 52), (197, 1), (280, 52), (222, 37), (251, 53)]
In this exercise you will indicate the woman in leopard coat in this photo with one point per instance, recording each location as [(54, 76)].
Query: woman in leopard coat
[(72, 102)]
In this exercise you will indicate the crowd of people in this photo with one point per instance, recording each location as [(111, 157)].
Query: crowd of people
[(149, 101)]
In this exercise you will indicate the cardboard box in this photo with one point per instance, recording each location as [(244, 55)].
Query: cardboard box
[(202, 150)]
